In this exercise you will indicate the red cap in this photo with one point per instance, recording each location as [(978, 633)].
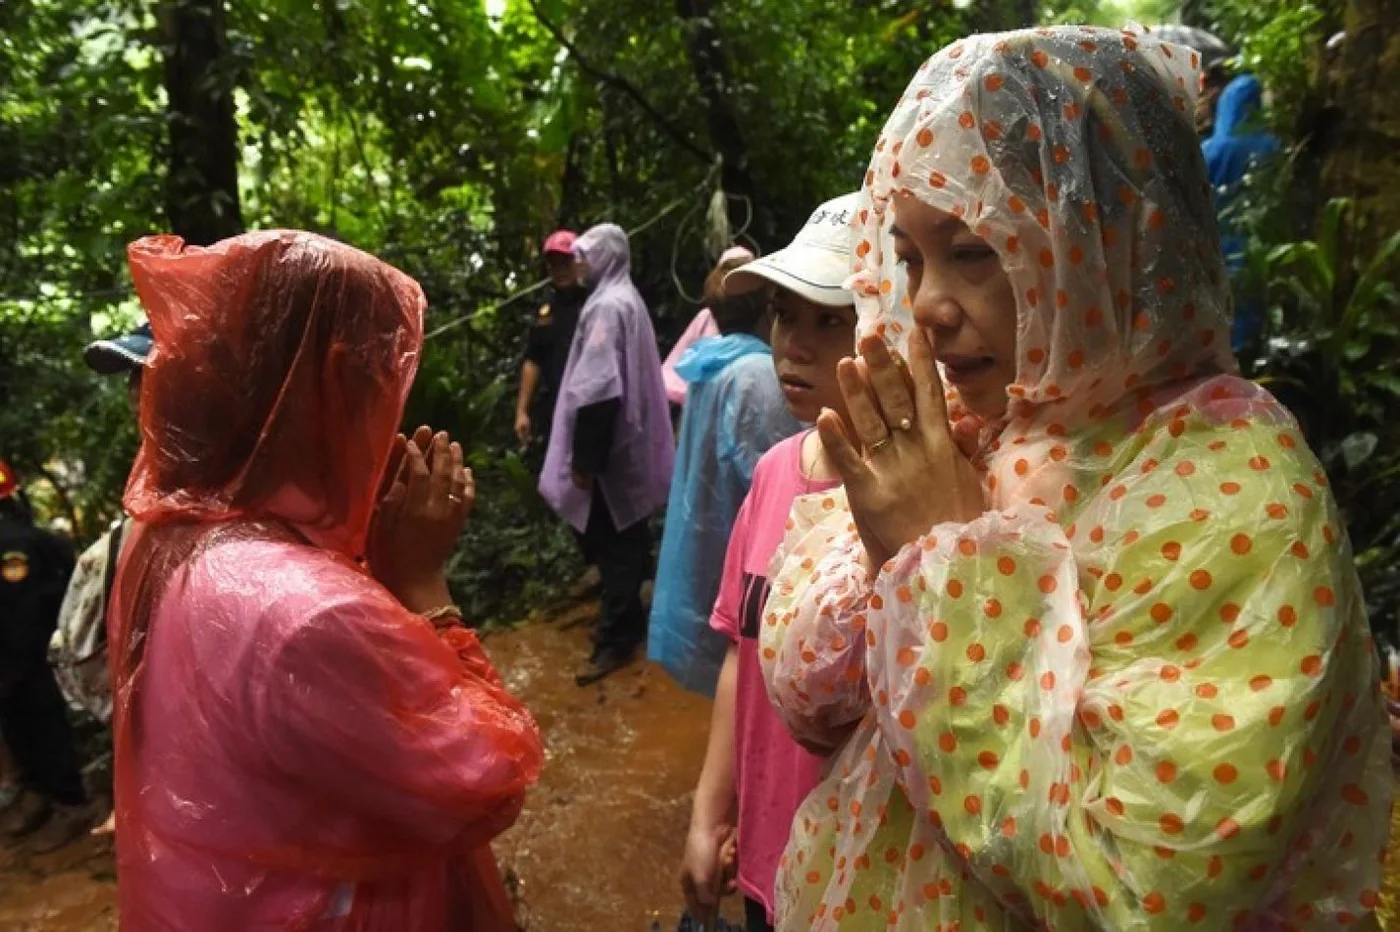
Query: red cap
[(9, 482), (560, 241)]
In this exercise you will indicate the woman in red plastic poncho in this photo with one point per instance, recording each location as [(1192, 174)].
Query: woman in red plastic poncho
[(300, 744)]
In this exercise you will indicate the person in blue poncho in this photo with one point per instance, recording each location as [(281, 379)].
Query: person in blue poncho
[(734, 411), (1235, 146)]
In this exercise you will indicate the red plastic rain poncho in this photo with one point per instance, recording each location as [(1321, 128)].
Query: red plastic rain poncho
[(294, 749), (1139, 691)]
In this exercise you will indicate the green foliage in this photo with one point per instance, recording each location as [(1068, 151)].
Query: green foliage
[(449, 140), (80, 129), (1112, 14), (449, 136), (1277, 40), (1332, 337), (60, 405)]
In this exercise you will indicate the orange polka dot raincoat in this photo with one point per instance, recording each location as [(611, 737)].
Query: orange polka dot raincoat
[(1139, 691)]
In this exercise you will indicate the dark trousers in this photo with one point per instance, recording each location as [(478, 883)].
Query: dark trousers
[(755, 916), (623, 558), (34, 721), (582, 541)]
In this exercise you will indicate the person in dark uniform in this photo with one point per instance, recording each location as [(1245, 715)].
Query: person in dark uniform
[(34, 570), (547, 347), (542, 370)]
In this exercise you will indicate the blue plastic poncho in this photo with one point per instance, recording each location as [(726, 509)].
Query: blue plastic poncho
[(734, 411), (1231, 151), (1234, 146)]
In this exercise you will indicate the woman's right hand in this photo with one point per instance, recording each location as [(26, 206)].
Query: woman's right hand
[(708, 869), (899, 439), (420, 516)]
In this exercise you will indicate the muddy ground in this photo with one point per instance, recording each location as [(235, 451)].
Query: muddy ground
[(598, 845)]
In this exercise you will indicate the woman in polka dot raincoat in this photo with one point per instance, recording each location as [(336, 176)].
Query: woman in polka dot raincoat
[(1085, 613)]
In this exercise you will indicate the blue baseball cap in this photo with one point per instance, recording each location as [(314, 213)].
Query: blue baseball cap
[(120, 354)]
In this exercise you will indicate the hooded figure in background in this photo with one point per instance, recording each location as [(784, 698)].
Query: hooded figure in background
[(608, 467), (1082, 622), (300, 743), (1236, 144), (1235, 147), (734, 412)]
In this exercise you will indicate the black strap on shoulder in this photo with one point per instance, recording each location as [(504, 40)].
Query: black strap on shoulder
[(109, 574)]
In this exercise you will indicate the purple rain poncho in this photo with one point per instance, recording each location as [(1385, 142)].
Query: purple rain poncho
[(613, 356)]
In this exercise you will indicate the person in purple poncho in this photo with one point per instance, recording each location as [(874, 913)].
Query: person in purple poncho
[(608, 466)]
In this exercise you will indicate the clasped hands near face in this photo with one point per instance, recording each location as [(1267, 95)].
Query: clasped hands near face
[(904, 466), (424, 500)]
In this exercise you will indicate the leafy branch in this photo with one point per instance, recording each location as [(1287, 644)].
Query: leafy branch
[(622, 84)]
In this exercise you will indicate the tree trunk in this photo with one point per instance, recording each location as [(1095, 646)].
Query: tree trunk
[(617, 188), (1363, 158), (707, 61), (201, 199), (571, 188)]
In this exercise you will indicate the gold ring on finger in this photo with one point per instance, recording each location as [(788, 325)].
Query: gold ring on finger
[(882, 442)]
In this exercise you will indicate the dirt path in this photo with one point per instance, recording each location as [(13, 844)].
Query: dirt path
[(69, 891), (598, 844)]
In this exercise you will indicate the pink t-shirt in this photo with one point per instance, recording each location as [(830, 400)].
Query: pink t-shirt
[(773, 774), (701, 325)]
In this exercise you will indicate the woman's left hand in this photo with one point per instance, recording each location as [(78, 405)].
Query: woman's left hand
[(420, 516), (906, 470)]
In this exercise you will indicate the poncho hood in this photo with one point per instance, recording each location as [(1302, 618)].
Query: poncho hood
[(1072, 152), (281, 366)]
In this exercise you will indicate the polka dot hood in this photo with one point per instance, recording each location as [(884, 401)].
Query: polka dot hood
[(1072, 153), (1139, 691)]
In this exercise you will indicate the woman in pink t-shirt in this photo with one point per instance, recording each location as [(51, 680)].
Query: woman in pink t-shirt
[(755, 775)]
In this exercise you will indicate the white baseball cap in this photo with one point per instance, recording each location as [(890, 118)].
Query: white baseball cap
[(817, 262)]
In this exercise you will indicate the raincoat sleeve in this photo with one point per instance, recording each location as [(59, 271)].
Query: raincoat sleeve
[(812, 643), (1126, 742), (593, 389), (415, 731)]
